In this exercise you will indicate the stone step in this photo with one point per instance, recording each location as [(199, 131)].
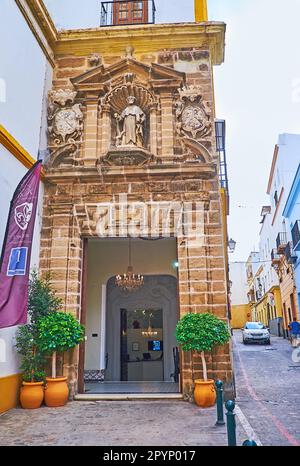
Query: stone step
[(127, 396)]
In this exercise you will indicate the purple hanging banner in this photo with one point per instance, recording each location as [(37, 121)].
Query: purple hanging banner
[(16, 250)]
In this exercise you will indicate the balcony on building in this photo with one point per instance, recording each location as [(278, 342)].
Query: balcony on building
[(281, 242), (289, 253), (130, 12), (251, 296), (296, 236), (275, 257), (258, 295)]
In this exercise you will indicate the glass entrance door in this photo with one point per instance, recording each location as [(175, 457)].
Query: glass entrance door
[(142, 345)]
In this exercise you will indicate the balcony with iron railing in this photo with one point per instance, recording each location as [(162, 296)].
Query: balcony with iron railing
[(126, 13), (290, 256), (296, 235), (251, 296), (281, 242), (275, 257), (258, 295)]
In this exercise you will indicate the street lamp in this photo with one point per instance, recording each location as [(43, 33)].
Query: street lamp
[(231, 245)]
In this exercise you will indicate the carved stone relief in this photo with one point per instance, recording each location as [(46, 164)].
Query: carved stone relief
[(65, 123), (193, 124), (192, 114), (129, 104)]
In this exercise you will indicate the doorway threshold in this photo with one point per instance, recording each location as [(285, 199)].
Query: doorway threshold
[(127, 396)]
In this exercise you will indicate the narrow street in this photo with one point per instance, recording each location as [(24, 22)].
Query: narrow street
[(268, 389)]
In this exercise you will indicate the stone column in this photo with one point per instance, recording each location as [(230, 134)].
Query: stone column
[(153, 129), (90, 131), (106, 129), (167, 124), (61, 254)]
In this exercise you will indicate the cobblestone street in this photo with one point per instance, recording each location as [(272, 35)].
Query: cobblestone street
[(268, 390), (134, 423)]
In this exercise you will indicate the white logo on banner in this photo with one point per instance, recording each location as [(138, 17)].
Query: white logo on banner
[(23, 214)]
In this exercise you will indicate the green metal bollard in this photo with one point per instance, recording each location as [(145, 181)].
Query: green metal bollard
[(249, 443), (220, 410), (231, 425)]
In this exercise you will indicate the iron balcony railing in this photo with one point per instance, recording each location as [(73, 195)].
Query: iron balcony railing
[(220, 128), (258, 295), (289, 253), (130, 12), (281, 242), (296, 235), (251, 296), (275, 257)]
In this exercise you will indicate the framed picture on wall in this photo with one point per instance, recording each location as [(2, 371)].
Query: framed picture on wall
[(135, 346)]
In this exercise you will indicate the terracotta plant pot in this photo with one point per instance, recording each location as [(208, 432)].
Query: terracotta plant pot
[(32, 395), (205, 393), (56, 392)]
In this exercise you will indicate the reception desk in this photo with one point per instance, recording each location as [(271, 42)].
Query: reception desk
[(146, 370)]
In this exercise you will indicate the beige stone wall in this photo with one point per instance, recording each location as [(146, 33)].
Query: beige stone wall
[(79, 178)]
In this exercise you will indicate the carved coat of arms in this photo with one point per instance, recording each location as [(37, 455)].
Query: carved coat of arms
[(65, 118), (192, 114)]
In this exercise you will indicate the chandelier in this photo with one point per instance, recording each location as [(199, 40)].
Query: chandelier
[(129, 281), (149, 332)]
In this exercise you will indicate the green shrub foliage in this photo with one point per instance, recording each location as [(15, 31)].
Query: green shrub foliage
[(41, 299), (201, 332), (59, 331), (32, 360)]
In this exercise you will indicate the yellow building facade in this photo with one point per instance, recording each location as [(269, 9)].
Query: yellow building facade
[(269, 307)]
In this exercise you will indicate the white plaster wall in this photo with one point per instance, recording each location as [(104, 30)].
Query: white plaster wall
[(22, 70), (267, 242), (284, 174), (25, 78), (9, 360), (238, 276), (12, 171), (107, 258)]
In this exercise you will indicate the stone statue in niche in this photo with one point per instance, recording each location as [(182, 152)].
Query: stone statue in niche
[(130, 125)]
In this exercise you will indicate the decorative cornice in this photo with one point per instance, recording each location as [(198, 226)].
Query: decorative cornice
[(275, 156), (144, 39), (10, 143), (41, 25)]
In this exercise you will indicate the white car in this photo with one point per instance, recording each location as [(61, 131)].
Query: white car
[(256, 332)]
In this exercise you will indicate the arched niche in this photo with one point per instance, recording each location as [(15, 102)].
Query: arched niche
[(158, 292), (115, 102)]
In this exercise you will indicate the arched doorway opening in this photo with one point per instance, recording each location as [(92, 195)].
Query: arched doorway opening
[(131, 345)]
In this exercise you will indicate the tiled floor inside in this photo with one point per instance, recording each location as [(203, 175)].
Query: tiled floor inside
[(131, 387)]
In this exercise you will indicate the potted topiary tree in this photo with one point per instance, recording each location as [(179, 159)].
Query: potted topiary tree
[(201, 333), (58, 332), (32, 363), (41, 301)]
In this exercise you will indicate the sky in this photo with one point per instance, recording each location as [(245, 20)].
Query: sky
[(257, 90)]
